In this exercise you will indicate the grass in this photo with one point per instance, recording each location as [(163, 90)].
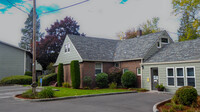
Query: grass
[(64, 92)]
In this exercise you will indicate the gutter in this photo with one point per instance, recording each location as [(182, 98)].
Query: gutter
[(174, 62)]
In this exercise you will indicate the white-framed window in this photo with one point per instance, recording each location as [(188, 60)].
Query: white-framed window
[(138, 71), (125, 70), (180, 76), (165, 40), (117, 64), (170, 76), (190, 76), (158, 44), (67, 48), (98, 68)]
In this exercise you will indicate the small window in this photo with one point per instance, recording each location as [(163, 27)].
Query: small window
[(138, 71), (180, 76), (125, 70), (164, 40), (98, 68), (158, 45), (170, 76), (117, 64), (190, 74), (67, 47)]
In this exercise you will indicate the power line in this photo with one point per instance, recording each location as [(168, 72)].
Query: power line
[(65, 7), (16, 7)]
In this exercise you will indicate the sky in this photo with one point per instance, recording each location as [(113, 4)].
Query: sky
[(97, 18)]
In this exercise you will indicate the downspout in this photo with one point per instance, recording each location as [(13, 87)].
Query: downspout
[(141, 68)]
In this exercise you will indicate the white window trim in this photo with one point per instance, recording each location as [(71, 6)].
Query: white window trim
[(163, 42), (190, 76), (67, 48), (123, 70), (170, 76), (140, 71), (99, 68), (179, 76), (159, 44)]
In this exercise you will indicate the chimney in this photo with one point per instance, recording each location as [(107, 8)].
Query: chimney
[(139, 32)]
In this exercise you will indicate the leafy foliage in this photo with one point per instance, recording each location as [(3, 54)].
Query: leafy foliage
[(46, 93), (186, 95), (29, 94), (60, 76), (75, 74), (87, 81), (114, 75), (49, 47), (17, 79), (102, 80), (51, 68), (66, 85), (113, 85), (27, 32), (160, 87), (47, 79), (128, 79), (28, 73)]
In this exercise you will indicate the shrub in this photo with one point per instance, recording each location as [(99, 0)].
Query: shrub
[(60, 76), (87, 81), (128, 79), (75, 74), (28, 73), (186, 95), (51, 68), (66, 85), (17, 79), (114, 75), (113, 85), (160, 87), (46, 93), (29, 94), (47, 79), (102, 80)]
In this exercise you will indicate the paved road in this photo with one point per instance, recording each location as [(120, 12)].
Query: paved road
[(135, 102)]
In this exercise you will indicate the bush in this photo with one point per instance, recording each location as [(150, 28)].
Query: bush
[(46, 93), (102, 80), (128, 79), (160, 87), (114, 75), (75, 74), (17, 79), (87, 81), (66, 85), (29, 94), (60, 76), (113, 85), (186, 95), (51, 68), (28, 73), (47, 79)]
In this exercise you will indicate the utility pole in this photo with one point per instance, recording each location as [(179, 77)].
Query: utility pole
[(34, 84)]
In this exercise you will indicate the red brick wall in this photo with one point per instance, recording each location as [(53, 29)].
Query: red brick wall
[(132, 66)]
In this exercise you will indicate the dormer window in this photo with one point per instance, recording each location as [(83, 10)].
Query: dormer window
[(67, 47), (165, 40), (158, 44)]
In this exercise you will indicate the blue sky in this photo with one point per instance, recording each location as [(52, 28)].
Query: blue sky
[(98, 18)]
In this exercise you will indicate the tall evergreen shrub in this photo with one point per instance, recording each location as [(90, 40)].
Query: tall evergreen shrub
[(75, 74), (60, 76)]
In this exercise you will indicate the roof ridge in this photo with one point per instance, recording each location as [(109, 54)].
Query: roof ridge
[(13, 46), (93, 37)]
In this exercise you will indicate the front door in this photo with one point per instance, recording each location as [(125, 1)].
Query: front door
[(154, 78)]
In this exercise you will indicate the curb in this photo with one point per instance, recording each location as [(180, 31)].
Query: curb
[(155, 106), (71, 97)]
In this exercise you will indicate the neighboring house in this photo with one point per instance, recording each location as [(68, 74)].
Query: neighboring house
[(97, 55), (174, 66), (14, 60)]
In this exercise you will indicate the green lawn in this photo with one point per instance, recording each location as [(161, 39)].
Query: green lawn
[(78, 92)]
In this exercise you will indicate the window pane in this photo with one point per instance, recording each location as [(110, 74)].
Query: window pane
[(66, 48), (158, 44), (191, 82), (170, 72), (138, 71), (97, 71), (164, 40), (98, 65), (179, 71), (125, 70), (171, 81), (190, 71), (180, 81)]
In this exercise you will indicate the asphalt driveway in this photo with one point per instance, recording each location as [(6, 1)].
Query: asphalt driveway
[(134, 102)]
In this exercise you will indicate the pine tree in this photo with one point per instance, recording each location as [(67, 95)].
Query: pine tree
[(27, 32)]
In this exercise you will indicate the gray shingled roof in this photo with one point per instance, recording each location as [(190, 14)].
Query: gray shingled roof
[(99, 49), (180, 51)]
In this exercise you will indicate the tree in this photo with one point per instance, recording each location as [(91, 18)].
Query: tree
[(49, 47), (190, 19), (131, 33), (75, 74), (60, 76), (27, 32)]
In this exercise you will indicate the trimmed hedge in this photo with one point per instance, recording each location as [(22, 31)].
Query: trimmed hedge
[(75, 74), (60, 76), (28, 73), (129, 79), (102, 80), (47, 79), (186, 95), (114, 75), (17, 79)]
